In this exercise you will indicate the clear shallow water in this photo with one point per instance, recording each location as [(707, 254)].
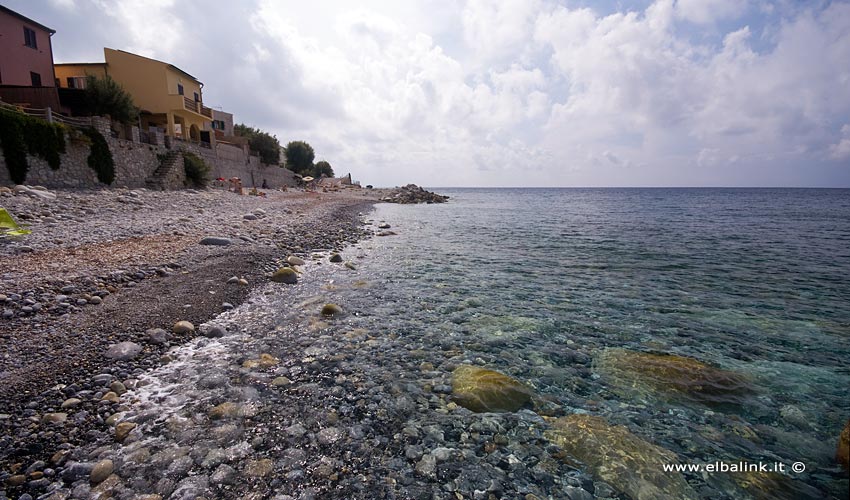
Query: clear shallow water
[(754, 281), (536, 284)]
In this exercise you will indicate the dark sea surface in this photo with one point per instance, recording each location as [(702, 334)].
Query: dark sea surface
[(710, 323)]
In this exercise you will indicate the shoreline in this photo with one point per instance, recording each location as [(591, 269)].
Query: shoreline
[(143, 281)]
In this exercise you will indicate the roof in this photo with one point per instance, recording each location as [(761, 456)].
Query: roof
[(161, 62), (25, 18), (80, 64)]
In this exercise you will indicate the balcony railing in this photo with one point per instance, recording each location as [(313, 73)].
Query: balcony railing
[(196, 107)]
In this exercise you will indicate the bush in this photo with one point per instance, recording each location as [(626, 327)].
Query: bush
[(100, 157), (321, 168), (21, 134), (105, 96), (265, 144), (299, 157), (197, 171)]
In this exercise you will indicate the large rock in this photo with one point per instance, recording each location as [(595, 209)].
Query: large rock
[(626, 462), (671, 377), (842, 453), (123, 351), (412, 193), (482, 390), (285, 275)]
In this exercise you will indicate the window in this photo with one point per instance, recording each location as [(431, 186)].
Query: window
[(218, 124), (197, 97), (76, 82), (36, 79), (29, 38), (179, 89)]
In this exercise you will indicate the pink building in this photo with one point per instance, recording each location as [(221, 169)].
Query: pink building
[(26, 61)]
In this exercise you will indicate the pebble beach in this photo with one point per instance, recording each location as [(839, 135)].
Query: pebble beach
[(90, 298)]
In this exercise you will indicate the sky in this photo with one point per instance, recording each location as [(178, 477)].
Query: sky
[(512, 92)]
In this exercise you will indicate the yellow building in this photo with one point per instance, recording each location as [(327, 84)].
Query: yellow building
[(169, 97)]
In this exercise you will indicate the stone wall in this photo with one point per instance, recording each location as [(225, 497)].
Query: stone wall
[(135, 162)]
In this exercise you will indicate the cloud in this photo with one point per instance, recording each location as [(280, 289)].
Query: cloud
[(709, 11), (841, 150), (486, 92)]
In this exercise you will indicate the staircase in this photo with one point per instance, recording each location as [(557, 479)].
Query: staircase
[(159, 180)]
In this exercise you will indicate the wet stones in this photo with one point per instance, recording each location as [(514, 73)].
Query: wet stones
[(123, 430), (54, 418), (285, 275), (264, 361), (618, 457), (842, 453), (482, 390), (259, 468), (672, 377), (329, 435), (123, 351), (101, 471)]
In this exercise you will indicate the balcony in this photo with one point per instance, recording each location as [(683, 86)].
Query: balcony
[(196, 107)]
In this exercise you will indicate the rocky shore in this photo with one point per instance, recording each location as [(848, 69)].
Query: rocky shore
[(90, 299)]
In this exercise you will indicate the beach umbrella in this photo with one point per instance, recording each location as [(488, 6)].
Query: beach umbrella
[(307, 179)]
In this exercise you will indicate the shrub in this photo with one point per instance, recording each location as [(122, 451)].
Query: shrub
[(100, 157), (197, 171), (105, 96), (21, 134)]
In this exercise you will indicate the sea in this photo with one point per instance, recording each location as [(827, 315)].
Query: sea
[(563, 290)]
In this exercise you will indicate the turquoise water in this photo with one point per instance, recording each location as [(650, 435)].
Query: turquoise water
[(536, 282)]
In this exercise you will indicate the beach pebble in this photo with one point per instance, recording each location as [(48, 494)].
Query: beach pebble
[(101, 471), (215, 241), (295, 261), (182, 327), (214, 332), (123, 351), (336, 258), (157, 336)]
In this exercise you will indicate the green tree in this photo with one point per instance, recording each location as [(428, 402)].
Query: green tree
[(265, 144), (299, 157), (105, 96), (323, 167)]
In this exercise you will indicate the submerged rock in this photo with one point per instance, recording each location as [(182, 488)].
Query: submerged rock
[(285, 275), (842, 453), (482, 390), (671, 376), (626, 462), (770, 486)]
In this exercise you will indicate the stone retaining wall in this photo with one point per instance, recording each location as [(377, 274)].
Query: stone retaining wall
[(136, 161)]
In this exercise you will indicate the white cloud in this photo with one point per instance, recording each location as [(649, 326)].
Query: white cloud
[(484, 92), (64, 4), (709, 11), (841, 150)]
